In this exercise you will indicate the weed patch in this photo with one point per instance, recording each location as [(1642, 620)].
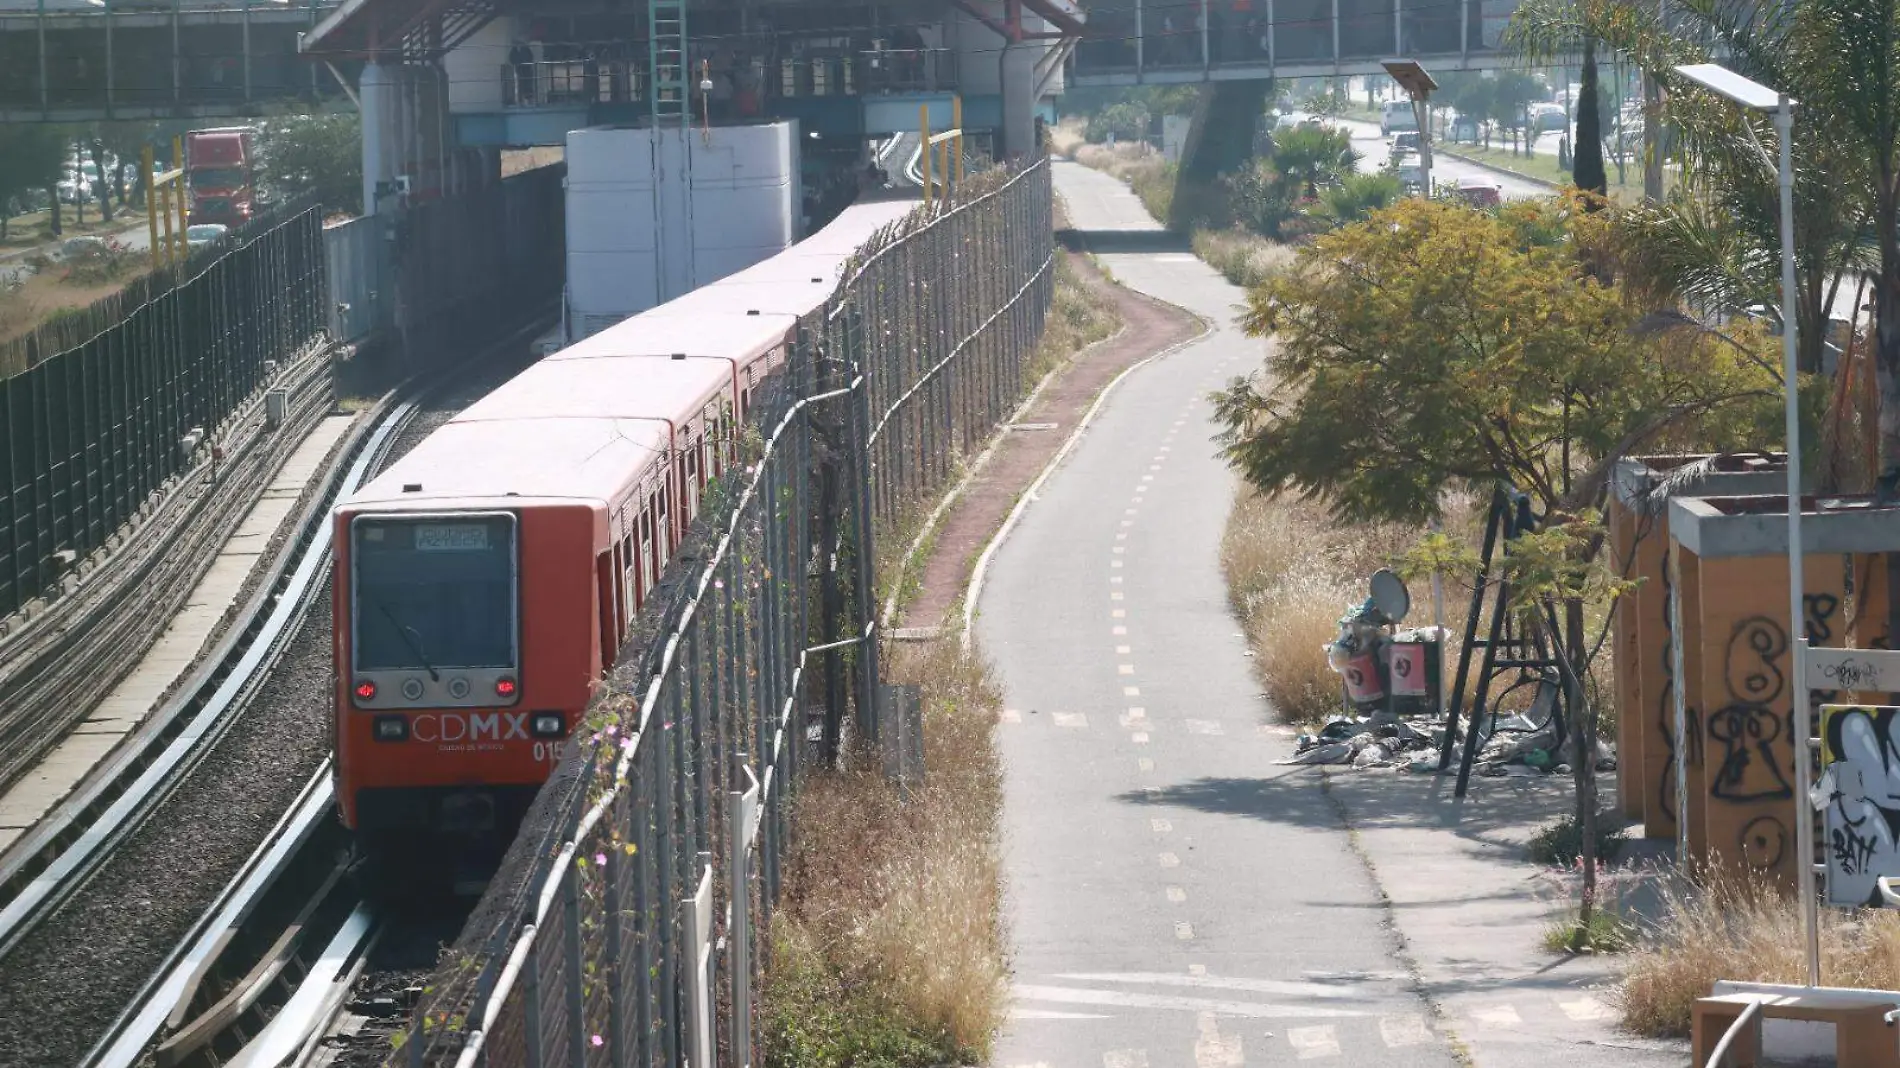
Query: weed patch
[(1559, 843), (1243, 258)]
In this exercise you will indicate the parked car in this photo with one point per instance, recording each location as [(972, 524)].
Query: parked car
[(82, 248), (1396, 115), (204, 234), (1480, 192)]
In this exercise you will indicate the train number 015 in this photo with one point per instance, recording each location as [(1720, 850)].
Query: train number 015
[(547, 752)]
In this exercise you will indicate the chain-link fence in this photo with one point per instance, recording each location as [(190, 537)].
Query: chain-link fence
[(89, 433), (629, 945)]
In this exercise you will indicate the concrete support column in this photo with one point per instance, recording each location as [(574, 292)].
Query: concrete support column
[(377, 95), (1019, 99)]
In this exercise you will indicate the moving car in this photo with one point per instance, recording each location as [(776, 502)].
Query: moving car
[(1395, 115), (1480, 192), (1405, 143), (204, 234)]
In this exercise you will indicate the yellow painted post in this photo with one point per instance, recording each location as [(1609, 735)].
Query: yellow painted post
[(956, 123), (923, 125), (151, 203), (184, 192), (165, 209)]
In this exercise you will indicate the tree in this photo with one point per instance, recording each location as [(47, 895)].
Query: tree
[(1586, 168), (30, 156), (1434, 345), (319, 155), (1312, 156), (1356, 197), (1512, 93)]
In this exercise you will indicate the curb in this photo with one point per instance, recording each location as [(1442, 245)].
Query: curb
[(1486, 165)]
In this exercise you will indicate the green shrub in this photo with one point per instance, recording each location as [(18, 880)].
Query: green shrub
[(1560, 842), (812, 1018)]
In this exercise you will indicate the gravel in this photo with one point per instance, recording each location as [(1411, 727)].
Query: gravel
[(69, 979), (64, 985)]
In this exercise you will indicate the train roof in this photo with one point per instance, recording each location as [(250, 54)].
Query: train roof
[(731, 334), (579, 429), (585, 423)]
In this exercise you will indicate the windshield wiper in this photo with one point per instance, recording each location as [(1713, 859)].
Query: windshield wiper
[(414, 646)]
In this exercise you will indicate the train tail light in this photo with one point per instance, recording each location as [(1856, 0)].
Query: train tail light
[(392, 728), (366, 691), (505, 687), (549, 725)]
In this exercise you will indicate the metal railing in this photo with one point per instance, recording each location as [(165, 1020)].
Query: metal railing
[(639, 936), (618, 80)]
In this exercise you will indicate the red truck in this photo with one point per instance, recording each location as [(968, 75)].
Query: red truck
[(221, 166)]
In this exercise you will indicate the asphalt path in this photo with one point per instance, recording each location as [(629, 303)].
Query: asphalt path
[(1176, 898)]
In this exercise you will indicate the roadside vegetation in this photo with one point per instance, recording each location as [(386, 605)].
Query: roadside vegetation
[(889, 948)]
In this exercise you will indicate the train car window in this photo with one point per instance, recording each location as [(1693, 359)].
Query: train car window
[(607, 581), (434, 592)]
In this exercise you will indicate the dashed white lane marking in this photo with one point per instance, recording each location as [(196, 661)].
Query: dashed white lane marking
[(1177, 895), (1169, 860), (1128, 522), (1114, 580), (1119, 549), (1402, 1031), (1125, 669), (1161, 826), (1154, 467), (1118, 631), (1586, 1009), (1130, 511), (1139, 737), (1144, 764), (1115, 595), (1071, 719), (1147, 478), (1125, 1058), (1498, 1016), (1135, 717), (1114, 563), (1202, 726), (1012, 715), (1257, 1010), (1122, 536), (1213, 1049), (1131, 691), (1197, 969), (1312, 1043), (1118, 613), (1183, 931), (1124, 650)]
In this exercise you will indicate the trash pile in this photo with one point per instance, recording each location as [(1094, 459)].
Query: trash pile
[(1380, 740), (1514, 746)]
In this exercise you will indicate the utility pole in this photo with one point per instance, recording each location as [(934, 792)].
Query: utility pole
[(1652, 126)]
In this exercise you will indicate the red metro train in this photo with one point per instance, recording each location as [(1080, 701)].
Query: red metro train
[(484, 582)]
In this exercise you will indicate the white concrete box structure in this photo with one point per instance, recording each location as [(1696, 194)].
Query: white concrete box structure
[(654, 214)]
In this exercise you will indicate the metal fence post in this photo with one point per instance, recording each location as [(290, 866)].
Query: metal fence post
[(572, 976)]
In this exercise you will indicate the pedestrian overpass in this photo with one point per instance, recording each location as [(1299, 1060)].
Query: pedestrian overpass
[(1160, 42)]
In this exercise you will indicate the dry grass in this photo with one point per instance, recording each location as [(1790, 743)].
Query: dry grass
[(1067, 136), (1078, 317), (1733, 928), (43, 296), (897, 903), (1292, 572), (516, 160), (1245, 259), (1139, 164)]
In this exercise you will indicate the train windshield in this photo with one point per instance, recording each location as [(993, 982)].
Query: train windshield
[(434, 592)]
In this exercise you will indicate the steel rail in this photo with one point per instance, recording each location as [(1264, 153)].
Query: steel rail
[(157, 777)]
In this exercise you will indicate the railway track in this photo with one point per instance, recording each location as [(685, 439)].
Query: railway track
[(266, 970)]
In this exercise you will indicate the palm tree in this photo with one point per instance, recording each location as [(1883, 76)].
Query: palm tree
[(1717, 243), (1314, 156)]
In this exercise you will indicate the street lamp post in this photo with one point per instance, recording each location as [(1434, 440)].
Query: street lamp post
[(1757, 97), (1418, 85)]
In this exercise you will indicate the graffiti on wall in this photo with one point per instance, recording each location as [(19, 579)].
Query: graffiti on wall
[(1750, 739), (1860, 789)]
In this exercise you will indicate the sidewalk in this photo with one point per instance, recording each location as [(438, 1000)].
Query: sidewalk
[(1473, 912), (39, 791)]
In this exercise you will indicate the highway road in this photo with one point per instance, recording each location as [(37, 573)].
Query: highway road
[(1445, 170), (1175, 897)]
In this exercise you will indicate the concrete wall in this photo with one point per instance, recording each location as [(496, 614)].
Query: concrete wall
[(475, 68)]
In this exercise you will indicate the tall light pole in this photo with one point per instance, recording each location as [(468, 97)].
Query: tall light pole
[(1418, 85), (1754, 96)]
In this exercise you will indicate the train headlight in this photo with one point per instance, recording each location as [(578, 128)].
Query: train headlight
[(412, 689), (458, 688), (505, 687), (366, 691), (392, 728), (549, 725)]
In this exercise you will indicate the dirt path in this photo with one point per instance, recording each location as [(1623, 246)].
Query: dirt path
[(1148, 327)]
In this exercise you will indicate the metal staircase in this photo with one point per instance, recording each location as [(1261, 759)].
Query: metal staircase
[(670, 105), (666, 59)]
